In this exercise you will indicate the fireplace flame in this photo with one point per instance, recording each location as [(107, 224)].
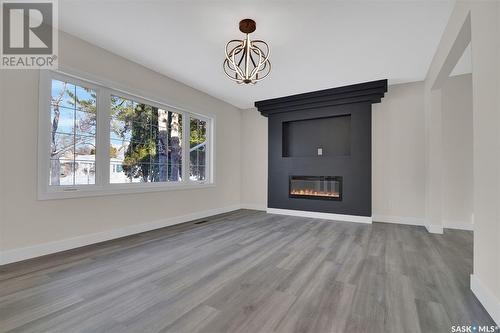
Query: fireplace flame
[(315, 193)]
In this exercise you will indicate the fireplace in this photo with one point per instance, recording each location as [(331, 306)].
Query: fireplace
[(326, 133), (316, 187)]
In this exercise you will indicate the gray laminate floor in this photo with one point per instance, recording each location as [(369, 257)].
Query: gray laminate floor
[(248, 271)]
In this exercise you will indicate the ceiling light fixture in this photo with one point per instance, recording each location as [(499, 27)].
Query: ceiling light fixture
[(247, 61)]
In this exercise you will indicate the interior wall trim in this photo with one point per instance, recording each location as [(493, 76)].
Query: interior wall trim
[(367, 92), (421, 221), (25, 253), (318, 215), (253, 206), (20, 254), (485, 296), (434, 228), (458, 225), (407, 220)]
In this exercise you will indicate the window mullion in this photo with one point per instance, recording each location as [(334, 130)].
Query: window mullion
[(208, 152), (185, 143), (102, 140), (44, 132)]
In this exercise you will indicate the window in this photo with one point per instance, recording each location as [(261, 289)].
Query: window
[(145, 142), (198, 148), (73, 111), (102, 140)]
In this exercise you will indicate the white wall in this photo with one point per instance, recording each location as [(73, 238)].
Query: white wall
[(398, 159), (486, 109), (457, 152), (398, 155), (253, 159), (26, 222), (482, 22)]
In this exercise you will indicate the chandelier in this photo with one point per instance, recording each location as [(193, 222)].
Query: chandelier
[(247, 61)]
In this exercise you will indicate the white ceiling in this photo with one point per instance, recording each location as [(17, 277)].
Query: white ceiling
[(314, 44)]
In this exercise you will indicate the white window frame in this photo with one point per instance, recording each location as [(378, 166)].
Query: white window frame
[(102, 186)]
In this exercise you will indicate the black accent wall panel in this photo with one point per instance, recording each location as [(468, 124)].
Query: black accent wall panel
[(354, 168), (337, 120)]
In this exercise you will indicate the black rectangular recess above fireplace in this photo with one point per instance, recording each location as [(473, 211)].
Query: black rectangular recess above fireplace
[(316, 187), (302, 138)]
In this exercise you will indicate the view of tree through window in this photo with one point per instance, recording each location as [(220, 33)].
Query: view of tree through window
[(73, 134), (198, 148), (145, 143)]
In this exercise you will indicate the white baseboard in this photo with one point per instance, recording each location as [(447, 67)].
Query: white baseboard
[(10, 256), (419, 221), (20, 254), (324, 216), (458, 225), (434, 228), (485, 296), (254, 207)]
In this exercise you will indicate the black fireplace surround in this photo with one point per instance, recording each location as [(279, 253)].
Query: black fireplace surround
[(319, 147)]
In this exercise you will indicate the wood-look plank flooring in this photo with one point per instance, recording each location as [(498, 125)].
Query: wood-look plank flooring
[(249, 271)]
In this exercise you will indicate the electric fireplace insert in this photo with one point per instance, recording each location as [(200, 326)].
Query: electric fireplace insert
[(316, 187)]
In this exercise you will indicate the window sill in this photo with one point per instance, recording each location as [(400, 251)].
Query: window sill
[(117, 189)]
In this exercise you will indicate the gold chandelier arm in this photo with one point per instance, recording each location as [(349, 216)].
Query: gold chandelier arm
[(232, 41), (263, 65), (263, 61), (236, 50), (236, 67), (259, 64), (256, 43), (266, 74), (231, 59), (227, 74), (230, 55), (242, 51), (267, 53)]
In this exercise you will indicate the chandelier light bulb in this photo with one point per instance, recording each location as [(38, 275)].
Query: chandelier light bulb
[(247, 61)]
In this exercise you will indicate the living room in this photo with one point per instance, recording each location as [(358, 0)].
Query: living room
[(166, 178)]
